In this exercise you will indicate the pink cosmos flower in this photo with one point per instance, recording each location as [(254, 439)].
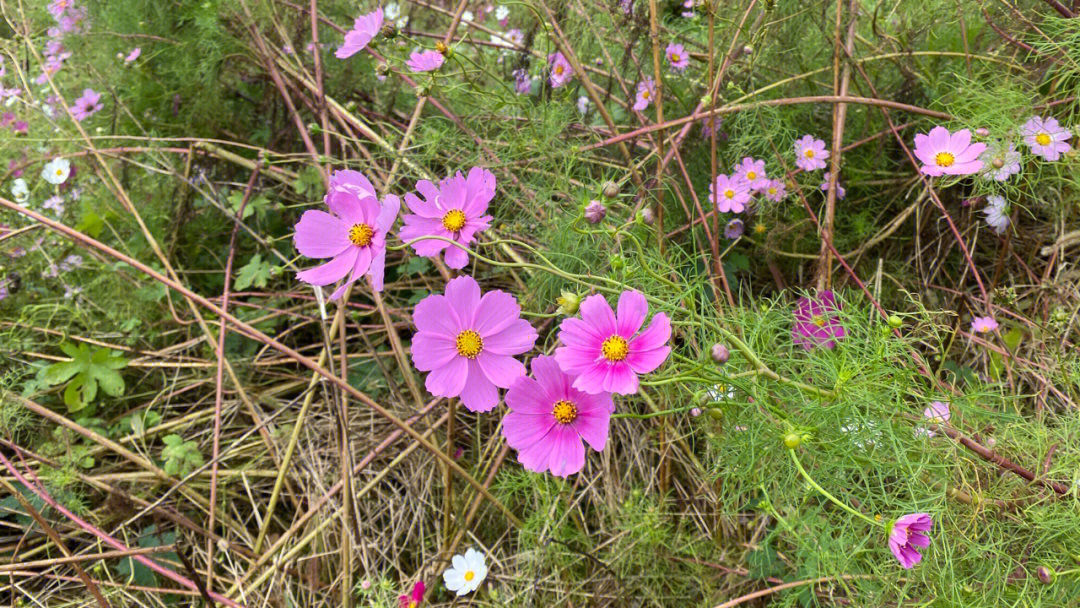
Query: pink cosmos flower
[(982, 325), (734, 229), (353, 235), (677, 57), (775, 190), (646, 89), (561, 70), (909, 532), (425, 61), (468, 343), (937, 413), (816, 323), (753, 171), (1046, 137), (413, 599), (365, 28), (549, 418), (604, 349), (133, 55), (57, 8), (810, 153), (454, 210), (1000, 164), (522, 81), (944, 153), (87, 105), (997, 213), (840, 192), (730, 193)]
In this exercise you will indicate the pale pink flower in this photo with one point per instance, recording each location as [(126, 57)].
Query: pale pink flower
[(982, 325), (561, 70), (87, 105), (454, 210), (365, 28), (753, 171), (677, 57), (425, 61), (1000, 164), (840, 192), (944, 153), (730, 193), (810, 153), (775, 190), (1046, 137), (909, 532), (133, 55), (646, 89)]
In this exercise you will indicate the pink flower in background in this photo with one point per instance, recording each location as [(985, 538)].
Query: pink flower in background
[(353, 235), (937, 413), (909, 532), (21, 127), (997, 213), (730, 193), (775, 190), (982, 325), (1000, 164), (604, 349), (425, 61), (816, 323), (734, 229), (810, 153), (561, 71), (522, 81), (840, 192), (753, 171), (365, 28), (87, 105), (57, 8), (944, 153), (1046, 137), (413, 599), (710, 125), (549, 418), (453, 210), (468, 343), (133, 55), (677, 57), (646, 89)]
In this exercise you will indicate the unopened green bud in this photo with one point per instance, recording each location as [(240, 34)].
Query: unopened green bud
[(792, 440), (568, 303), (895, 322)]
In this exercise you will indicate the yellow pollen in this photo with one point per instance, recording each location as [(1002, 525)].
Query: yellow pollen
[(1043, 139), (413, 604), (751, 175), (615, 349), (564, 411), (675, 58), (818, 320), (645, 93), (559, 69), (772, 190), (360, 234), (454, 220), (469, 575), (944, 159), (808, 153), (469, 344), (59, 172), (729, 193), (759, 228)]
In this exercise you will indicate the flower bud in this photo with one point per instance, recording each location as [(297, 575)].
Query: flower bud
[(719, 353), (382, 69), (695, 412), (748, 50), (610, 189), (646, 216), (705, 100), (792, 440), (895, 322), (389, 30), (443, 50), (617, 262), (982, 131), (568, 303), (1046, 574), (595, 212), (998, 163), (716, 414)]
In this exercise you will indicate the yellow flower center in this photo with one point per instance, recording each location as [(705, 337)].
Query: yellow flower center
[(751, 175), (1043, 139), (615, 349), (675, 58), (772, 190), (808, 153), (645, 93), (454, 220), (360, 234), (469, 575), (559, 69), (944, 159), (564, 411), (59, 172), (818, 320), (759, 228), (469, 344), (729, 193), (413, 604)]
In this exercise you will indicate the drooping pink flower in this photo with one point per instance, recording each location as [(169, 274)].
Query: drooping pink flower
[(413, 599), (944, 153), (133, 55), (816, 322), (730, 193), (87, 105), (425, 61), (604, 349), (982, 325), (753, 171), (646, 89), (840, 192), (1046, 137), (454, 210), (561, 70), (468, 342), (810, 153), (365, 28), (353, 234), (549, 418), (909, 532), (677, 57), (775, 190)]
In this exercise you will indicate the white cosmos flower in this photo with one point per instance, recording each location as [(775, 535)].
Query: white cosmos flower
[(56, 171), (502, 12), (20, 191), (466, 573), (997, 213), (467, 17), (392, 11)]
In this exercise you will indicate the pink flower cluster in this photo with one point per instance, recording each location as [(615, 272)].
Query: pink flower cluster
[(732, 193)]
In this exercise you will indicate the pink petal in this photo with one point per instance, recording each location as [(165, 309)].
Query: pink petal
[(345, 204), (519, 337), (432, 351), (593, 425), (597, 312), (496, 311), (456, 257), (939, 139), (536, 457), (959, 141), (321, 235), (334, 270), (575, 332), (479, 394), (971, 153), (449, 380), (655, 335), (631, 314), (529, 396), (550, 377), (463, 294), (567, 452), (501, 370), (590, 379), (388, 213), (424, 208), (377, 269), (435, 314), (416, 227), (524, 430), (621, 379), (643, 362)]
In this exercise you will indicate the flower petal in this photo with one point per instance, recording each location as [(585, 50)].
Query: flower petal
[(501, 370), (432, 351), (450, 379), (321, 235), (567, 452), (463, 294), (479, 394), (496, 311), (597, 312), (331, 271), (631, 314), (518, 338)]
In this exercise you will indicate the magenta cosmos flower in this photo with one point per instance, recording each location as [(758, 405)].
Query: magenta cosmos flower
[(775, 190), (677, 57), (1046, 137), (365, 28), (454, 210), (646, 89), (87, 105), (604, 349), (982, 325), (353, 234), (561, 71), (468, 343), (413, 599), (730, 193), (944, 153), (753, 171), (816, 323), (909, 532), (549, 418), (810, 153), (425, 61)]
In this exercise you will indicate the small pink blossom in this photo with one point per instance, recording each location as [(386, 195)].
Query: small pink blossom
[(937, 413), (775, 190), (840, 192), (549, 418), (646, 89), (982, 325), (816, 322), (1046, 137), (365, 28), (810, 153), (561, 70), (87, 105), (909, 532), (133, 55), (677, 57), (730, 193), (468, 342), (1000, 164), (606, 351), (522, 81), (413, 599), (454, 210), (425, 61), (753, 171), (944, 153), (997, 213)]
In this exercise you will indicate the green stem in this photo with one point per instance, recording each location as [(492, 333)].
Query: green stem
[(826, 494)]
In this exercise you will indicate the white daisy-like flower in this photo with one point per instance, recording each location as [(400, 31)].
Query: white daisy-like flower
[(466, 572), (392, 11), (20, 190), (997, 213), (583, 104), (467, 17), (56, 171), (501, 12)]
